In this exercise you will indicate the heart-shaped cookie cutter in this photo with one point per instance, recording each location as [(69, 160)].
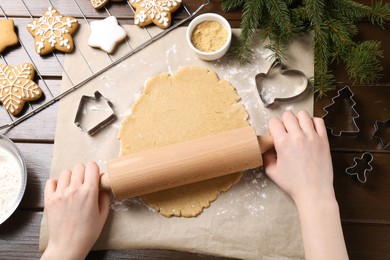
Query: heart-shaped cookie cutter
[(278, 84)]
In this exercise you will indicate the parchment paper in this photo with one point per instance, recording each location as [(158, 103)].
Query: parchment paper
[(254, 220)]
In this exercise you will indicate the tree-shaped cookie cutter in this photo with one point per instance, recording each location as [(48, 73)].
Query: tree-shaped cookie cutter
[(360, 168), (382, 133), (272, 88), (82, 113), (341, 112)]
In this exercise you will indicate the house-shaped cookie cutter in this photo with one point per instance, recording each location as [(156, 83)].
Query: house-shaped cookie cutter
[(382, 133), (340, 112), (81, 113), (271, 89), (360, 168)]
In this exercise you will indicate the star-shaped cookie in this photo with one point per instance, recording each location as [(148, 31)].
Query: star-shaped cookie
[(154, 11), (106, 34), (17, 86), (53, 31), (8, 36)]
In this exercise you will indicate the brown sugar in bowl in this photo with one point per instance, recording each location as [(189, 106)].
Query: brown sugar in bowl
[(209, 36)]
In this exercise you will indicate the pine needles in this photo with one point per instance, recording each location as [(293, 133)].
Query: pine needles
[(333, 24)]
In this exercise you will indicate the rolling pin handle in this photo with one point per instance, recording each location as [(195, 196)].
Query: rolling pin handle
[(266, 143), (105, 182)]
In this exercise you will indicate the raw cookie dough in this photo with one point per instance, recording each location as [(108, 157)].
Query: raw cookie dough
[(191, 103)]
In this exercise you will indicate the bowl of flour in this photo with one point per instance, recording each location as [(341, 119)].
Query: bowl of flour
[(13, 178)]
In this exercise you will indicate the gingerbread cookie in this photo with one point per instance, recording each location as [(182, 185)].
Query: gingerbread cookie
[(99, 3), (53, 31), (8, 35), (17, 87), (154, 11)]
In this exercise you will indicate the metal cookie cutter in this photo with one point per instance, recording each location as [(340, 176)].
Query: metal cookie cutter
[(340, 116), (361, 167), (280, 84), (382, 133), (100, 106)]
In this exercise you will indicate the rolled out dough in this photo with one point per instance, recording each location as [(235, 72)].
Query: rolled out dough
[(191, 103)]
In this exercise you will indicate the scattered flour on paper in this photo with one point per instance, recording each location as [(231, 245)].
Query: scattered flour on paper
[(250, 198)]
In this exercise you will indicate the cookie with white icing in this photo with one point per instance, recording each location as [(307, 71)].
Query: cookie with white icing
[(53, 31), (106, 34), (17, 87), (99, 3), (8, 35), (154, 11)]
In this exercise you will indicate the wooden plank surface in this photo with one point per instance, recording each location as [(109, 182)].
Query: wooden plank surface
[(19, 240), (365, 208)]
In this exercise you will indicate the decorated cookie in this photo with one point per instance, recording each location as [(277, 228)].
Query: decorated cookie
[(53, 31), (154, 11), (99, 3), (17, 86), (8, 36), (106, 34)]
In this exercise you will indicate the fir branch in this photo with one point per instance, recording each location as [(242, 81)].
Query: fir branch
[(278, 50), (321, 58), (340, 33), (231, 5), (252, 13), (323, 82), (314, 10), (280, 14), (351, 10), (321, 46), (363, 62), (380, 13)]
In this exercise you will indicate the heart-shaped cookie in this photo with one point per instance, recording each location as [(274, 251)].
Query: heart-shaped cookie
[(280, 84)]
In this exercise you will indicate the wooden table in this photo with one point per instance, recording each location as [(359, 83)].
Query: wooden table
[(365, 208)]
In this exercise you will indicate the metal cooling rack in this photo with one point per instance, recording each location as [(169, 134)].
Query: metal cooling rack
[(13, 121)]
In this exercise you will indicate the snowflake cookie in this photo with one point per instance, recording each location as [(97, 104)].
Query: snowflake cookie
[(53, 31), (17, 86), (99, 3), (154, 11)]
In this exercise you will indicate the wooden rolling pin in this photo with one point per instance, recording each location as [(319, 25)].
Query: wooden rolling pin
[(187, 162)]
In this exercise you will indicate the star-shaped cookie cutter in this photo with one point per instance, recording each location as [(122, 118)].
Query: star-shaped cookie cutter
[(382, 133), (360, 168), (83, 112), (272, 88)]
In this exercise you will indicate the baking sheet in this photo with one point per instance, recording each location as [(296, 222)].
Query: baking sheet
[(254, 220)]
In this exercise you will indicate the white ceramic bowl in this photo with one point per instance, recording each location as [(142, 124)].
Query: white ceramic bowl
[(215, 55), (11, 152)]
